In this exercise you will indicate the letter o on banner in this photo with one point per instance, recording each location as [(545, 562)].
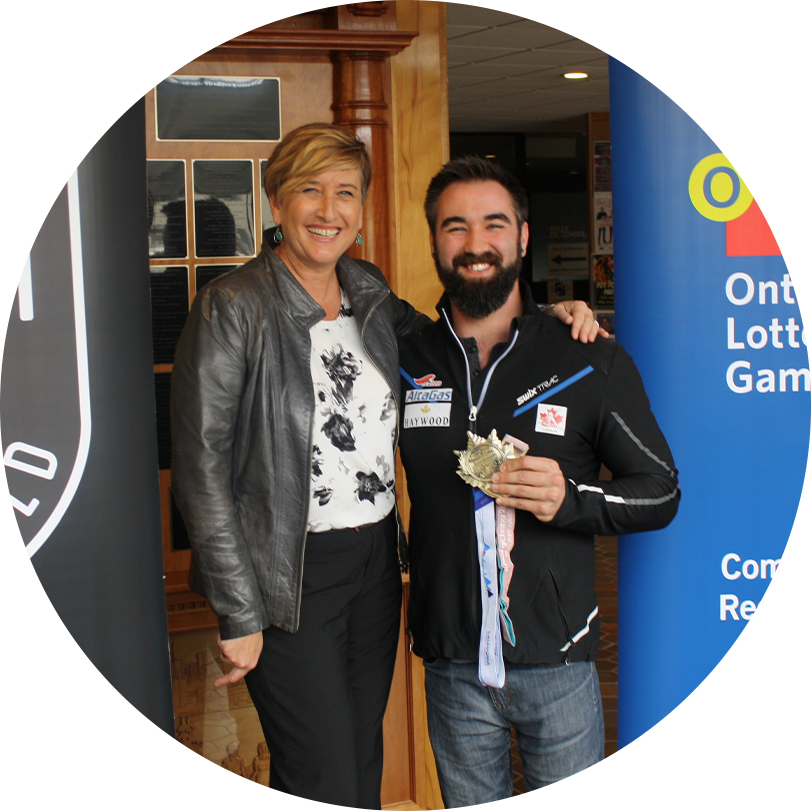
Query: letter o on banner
[(721, 187), (750, 288)]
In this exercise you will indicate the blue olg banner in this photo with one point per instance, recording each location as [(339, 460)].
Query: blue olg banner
[(706, 307)]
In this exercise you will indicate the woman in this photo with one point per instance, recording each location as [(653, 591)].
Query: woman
[(284, 430)]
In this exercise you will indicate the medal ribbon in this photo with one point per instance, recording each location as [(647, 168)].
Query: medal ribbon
[(505, 538), (491, 660)]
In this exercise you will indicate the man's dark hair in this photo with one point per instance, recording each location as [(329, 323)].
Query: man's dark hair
[(473, 169)]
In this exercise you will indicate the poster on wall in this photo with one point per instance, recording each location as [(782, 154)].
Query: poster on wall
[(711, 134), (603, 223), (602, 166), (605, 318), (602, 281)]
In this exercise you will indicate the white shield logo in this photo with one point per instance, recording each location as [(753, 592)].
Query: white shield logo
[(45, 405)]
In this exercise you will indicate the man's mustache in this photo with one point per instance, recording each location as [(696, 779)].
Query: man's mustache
[(468, 259)]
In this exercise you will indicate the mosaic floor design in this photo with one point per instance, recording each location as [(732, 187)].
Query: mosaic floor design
[(219, 723)]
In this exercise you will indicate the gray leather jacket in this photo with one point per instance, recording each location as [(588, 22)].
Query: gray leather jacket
[(242, 416)]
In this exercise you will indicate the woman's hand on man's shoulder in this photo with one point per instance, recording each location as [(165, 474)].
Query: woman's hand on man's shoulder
[(580, 317)]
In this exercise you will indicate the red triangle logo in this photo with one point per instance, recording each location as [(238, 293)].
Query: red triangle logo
[(756, 232)]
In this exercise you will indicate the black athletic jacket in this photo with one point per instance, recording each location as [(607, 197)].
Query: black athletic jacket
[(595, 411)]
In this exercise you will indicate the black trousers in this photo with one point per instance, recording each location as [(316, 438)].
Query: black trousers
[(321, 693)]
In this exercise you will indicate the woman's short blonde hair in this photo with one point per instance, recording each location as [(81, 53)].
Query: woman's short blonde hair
[(312, 149)]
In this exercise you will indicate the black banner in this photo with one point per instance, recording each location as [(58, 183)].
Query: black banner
[(86, 710)]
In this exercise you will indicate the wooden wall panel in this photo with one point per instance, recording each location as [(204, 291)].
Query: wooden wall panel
[(419, 114), (420, 145), (420, 130), (399, 779), (359, 93)]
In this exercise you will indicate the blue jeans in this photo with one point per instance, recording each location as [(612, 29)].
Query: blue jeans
[(556, 711)]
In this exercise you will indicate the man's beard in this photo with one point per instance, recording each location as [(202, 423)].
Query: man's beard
[(478, 298)]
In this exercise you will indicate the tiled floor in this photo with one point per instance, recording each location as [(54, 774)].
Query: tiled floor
[(606, 588)]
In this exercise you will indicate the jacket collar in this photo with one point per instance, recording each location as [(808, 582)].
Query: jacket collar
[(362, 288)]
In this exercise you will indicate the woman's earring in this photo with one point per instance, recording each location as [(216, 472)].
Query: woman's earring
[(278, 236), (359, 239)]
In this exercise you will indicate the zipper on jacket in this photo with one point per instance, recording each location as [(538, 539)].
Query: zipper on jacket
[(306, 517), (401, 557), (473, 412), (561, 614), (402, 554)]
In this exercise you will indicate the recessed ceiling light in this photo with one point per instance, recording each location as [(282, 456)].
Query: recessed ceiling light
[(575, 75), (491, 157)]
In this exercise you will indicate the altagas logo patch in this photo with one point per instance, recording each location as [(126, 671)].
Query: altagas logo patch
[(45, 408), (428, 382), (758, 186)]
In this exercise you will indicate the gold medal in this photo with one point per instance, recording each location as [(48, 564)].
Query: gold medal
[(483, 457)]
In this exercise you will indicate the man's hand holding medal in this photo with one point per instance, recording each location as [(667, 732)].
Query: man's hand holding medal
[(503, 471), (532, 483)]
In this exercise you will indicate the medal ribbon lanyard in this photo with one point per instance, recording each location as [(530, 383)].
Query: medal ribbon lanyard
[(505, 538), (495, 527), (491, 659)]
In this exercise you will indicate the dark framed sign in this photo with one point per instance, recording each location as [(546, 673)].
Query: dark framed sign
[(169, 287), (218, 108), (223, 208), (166, 208), (205, 273)]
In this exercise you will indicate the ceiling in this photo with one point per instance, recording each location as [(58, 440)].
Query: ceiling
[(505, 73)]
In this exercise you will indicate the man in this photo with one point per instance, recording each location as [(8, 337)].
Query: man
[(512, 644)]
